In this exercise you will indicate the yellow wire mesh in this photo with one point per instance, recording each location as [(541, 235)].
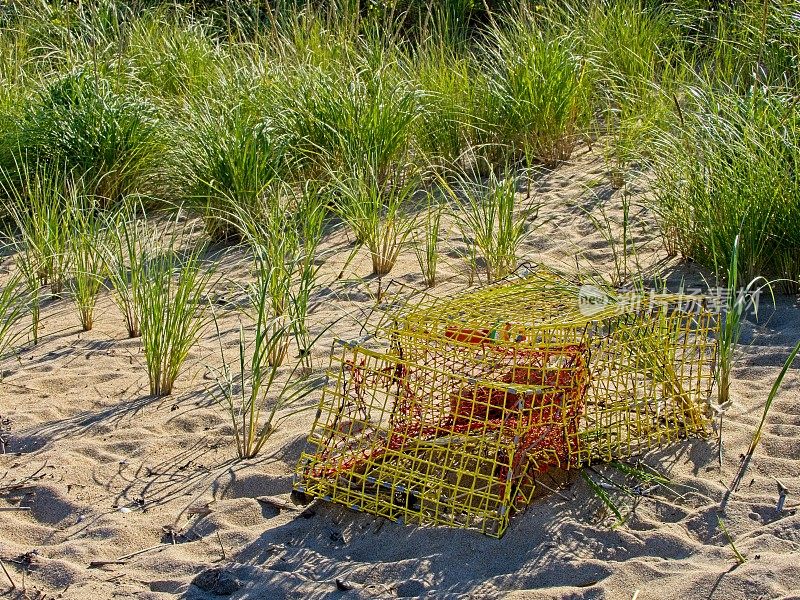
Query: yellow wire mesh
[(475, 396)]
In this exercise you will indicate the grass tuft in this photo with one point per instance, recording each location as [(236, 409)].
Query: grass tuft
[(259, 387), (105, 137), (126, 253), (85, 248), (490, 221), (39, 223), (427, 249), (172, 310), (728, 173), (378, 211), (233, 160), (536, 92), (12, 310)]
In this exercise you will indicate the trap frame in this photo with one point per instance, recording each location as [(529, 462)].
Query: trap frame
[(470, 398)]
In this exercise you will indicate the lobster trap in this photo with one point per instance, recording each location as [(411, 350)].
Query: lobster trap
[(472, 398)]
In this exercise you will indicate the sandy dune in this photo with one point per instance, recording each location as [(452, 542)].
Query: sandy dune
[(108, 471)]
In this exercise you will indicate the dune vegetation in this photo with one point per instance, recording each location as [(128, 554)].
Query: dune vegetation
[(271, 121), (200, 198), (224, 106)]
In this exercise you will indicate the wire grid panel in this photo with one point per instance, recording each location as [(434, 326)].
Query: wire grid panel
[(479, 393), (652, 376), (447, 442)]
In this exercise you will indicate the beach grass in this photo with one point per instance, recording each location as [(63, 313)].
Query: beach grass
[(172, 308), (275, 124)]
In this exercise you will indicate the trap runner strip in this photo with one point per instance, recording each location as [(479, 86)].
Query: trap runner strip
[(476, 395)]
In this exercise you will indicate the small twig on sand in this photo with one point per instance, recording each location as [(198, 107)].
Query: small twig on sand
[(279, 504), (219, 539), (138, 552), (14, 508), (39, 470), (199, 510), (124, 559), (553, 490), (11, 581), (104, 563), (783, 491)]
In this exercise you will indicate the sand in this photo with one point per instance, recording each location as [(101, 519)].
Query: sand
[(108, 471)]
